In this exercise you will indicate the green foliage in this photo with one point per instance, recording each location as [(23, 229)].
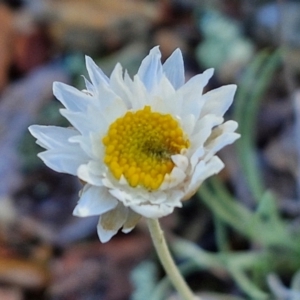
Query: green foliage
[(143, 278), (251, 89)]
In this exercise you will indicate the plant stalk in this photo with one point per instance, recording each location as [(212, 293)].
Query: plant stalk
[(167, 261)]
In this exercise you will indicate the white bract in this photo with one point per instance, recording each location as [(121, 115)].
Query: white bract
[(140, 145)]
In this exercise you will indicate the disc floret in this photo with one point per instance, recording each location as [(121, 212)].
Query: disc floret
[(139, 146)]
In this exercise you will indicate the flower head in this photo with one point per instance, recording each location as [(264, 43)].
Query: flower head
[(141, 145)]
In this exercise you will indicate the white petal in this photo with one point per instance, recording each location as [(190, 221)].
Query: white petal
[(124, 193), (150, 70), (190, 94), (221, 136), (153, 211), (104, 97), (221, 142), (218, 101), (202, 171), (135, 196), (131, 221), (92, 121), (127, 79), (196, 156), (97, 146), (180, 161), (52, 137), (173, 179), (96, 167), (64, 160), (127, 230), (156, 197), (94, 201), (110, 222), (97, 76), (141, 96), (90, 88), (108, 183), (188, 124), (84, 142), (119, 194), (203, 129), (110, 113), (164, 100), (86, 175), (119, 87), (79, 121), (174, 197), (174, 69), (70, 97), (103, 234)]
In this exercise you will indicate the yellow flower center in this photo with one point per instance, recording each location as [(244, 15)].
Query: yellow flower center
[(139, 146)]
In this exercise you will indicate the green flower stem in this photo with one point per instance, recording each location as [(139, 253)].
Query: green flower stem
[(167, 261)]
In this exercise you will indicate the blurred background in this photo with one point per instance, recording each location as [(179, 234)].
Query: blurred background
[(45, 252)]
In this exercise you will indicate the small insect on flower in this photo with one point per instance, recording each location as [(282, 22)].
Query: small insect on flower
[(141, 145)]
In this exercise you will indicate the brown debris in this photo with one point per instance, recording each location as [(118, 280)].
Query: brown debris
[(23, 273), (6, 44), (100, 266)]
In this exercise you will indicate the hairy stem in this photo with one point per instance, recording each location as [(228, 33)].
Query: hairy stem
[(167, 260)]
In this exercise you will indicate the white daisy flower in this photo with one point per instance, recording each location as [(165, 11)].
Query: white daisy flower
[(141, 145)]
